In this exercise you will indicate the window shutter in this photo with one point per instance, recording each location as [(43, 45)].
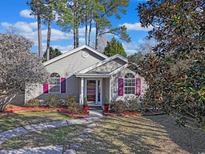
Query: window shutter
[(63, 85), (120, 87), (45, 88), (138, 86)]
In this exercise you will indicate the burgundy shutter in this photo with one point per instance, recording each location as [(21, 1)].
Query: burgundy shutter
[(63, 85), (120, 87), (45, 88), (138, 86)]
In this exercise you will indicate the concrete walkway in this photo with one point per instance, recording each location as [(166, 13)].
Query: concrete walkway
[(39, 150), (4, 136)]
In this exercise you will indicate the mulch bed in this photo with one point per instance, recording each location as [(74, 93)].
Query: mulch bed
[(153, 113), (127, 113), (74, 115), (133, 113), (16, 109), (13, 109)]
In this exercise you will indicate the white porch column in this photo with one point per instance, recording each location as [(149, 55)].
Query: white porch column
[(110, 98), (82, 91)]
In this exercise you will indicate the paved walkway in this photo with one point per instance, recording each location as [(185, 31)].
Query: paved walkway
[(4, 136), (39, 150)]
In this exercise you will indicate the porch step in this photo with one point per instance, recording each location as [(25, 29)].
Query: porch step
[(95, 107)]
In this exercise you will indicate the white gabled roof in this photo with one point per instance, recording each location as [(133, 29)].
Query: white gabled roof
[(72, 52), (102, 62)]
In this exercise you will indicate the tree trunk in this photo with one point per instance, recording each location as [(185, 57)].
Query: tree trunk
[(77, 34), (74, 24), (5, 101), (39, 36), (96, 36), (86, 30), (89, 33), (74, 38), (48, 40), (77, 22)]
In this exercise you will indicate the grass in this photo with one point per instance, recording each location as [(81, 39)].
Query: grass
[(134, 134), (58, 136), (13, 120), (157, 134)]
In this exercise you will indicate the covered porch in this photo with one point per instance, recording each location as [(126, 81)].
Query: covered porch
[(96, 81), (96, 90)]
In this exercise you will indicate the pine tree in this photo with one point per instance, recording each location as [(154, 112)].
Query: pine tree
[(52, 53), (114, 47), (48, 16), (37, 9)]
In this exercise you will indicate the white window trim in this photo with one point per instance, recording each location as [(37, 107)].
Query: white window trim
[(129, 86), (54, 92)]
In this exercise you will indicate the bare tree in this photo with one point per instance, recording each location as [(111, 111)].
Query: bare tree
[(146, 45), (18, 67)]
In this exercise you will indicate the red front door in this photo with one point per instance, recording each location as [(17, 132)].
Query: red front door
[(91, 90)]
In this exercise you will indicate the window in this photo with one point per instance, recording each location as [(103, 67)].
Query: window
[(129, 83), (54, 83)]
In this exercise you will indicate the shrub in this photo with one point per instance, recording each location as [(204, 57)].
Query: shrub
[(54, 101), (134, 105), (33, 103), (118, 106), (73, 106)]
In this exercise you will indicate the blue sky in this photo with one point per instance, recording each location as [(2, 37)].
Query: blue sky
[(14, 14)]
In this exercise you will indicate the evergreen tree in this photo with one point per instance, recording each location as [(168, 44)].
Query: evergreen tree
[(114, 47), (72, 14), (103, 25), (48, 16), (38, 9), (52, 53), (175, 70)]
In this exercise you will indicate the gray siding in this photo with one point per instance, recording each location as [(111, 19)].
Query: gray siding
[(114, 85), (108, 67), (71, 64), (66, 67)]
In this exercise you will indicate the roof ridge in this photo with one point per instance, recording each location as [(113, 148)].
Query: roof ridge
[(72, 52)]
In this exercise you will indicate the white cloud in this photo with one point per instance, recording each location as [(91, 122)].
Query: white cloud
[(20, 27), (130, 48), (29, 31), (56, 35), (136, 27), (63, 49), (26, 14)]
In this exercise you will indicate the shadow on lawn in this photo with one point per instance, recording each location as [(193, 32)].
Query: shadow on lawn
[(123, 135), (190, 139), (151, 134), (10, 121)]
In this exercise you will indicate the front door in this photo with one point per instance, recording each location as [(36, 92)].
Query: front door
[(94, 92)]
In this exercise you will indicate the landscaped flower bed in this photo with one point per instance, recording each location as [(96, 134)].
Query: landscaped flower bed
[(126, 113), (74, 115), (15, 109), (121, 108), (67, 106), (129, 108)]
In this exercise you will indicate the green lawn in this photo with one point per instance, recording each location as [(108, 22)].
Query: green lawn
[(151, 134), (58, 136), (13, 120), (134, 134)]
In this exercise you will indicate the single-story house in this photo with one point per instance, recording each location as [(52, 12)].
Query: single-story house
[(85, 72)]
